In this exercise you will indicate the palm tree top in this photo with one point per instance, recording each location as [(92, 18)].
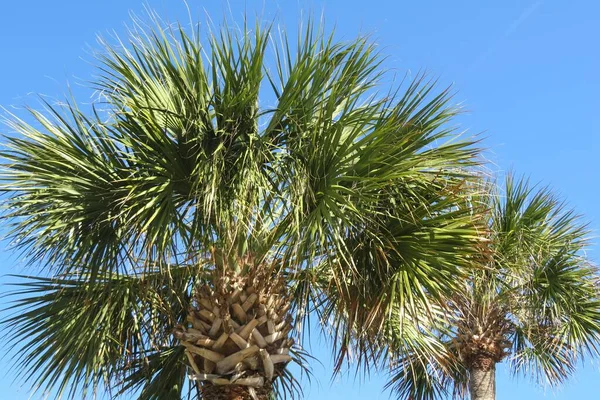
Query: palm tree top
[(182, 175), (534, 302)]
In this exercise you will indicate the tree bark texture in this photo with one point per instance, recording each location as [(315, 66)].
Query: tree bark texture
[(482, 379), (237, 335), (235, 392)]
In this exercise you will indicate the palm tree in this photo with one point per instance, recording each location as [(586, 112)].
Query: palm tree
[(534, 303), (221, 189)]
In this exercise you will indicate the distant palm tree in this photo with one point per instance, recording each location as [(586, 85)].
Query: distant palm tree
[(221, 191), (534, 303)]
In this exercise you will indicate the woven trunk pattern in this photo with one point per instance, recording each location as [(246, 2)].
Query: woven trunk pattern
[(237, 334)]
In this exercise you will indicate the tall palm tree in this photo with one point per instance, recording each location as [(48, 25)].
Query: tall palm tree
[(534, 303), (222, 188)]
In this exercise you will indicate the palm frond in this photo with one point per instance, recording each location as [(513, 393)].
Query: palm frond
[(161, 375), (552, 295), (74, 335), (425, 363)]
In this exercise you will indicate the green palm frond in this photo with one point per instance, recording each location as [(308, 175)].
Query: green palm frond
[(419, 376), (406, 268), (78, 335), (424, 361), (160, 375), (553, 296)]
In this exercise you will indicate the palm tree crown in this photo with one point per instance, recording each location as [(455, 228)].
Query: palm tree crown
[(184, 225), (534, 303)]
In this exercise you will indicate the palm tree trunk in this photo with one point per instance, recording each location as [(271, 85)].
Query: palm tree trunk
[(236, 335), (235, 392), (482, 379)]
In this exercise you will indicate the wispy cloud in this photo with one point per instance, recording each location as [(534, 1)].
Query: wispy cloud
[(526, 13)]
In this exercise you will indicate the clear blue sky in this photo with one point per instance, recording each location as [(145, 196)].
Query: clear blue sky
[(526, 70)]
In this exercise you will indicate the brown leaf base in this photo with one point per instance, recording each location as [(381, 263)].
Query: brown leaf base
[(482, 362)]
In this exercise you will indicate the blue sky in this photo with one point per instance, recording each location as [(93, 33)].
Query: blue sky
[(526, 72)]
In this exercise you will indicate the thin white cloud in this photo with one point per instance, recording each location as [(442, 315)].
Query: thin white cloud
[(527, 12), (524, 15)]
